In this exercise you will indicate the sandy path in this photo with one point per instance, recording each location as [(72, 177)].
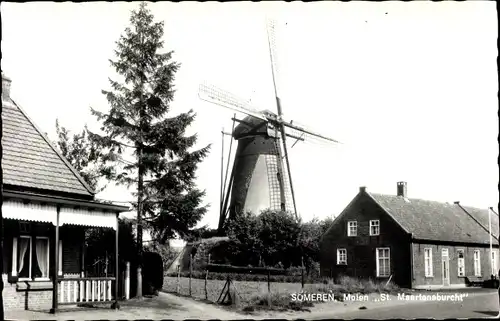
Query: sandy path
[(165, 306)]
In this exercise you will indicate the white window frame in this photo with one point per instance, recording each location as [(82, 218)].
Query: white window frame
[(428, 263), (48, 257), (339, 253), (15, 257), (477, 263), (460, 262), (374, 224), (354, 225), (377, 258), (29, 261), (60, 270)]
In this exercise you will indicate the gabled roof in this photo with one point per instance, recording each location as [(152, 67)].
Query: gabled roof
[(429, 220), (481, 215), (31, 161)]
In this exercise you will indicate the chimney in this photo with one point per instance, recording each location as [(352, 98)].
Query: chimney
[(5, 87), (362, 189), (402, 190)]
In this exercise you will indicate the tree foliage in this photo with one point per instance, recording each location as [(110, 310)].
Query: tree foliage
[(274, 238), (82, 153), (246, 246), (100, 243), (310, 238), (167, 253), (279, 234), (143, 147)]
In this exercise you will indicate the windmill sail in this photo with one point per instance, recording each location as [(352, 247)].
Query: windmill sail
[(287, 184), (261, 177), (215, 95)]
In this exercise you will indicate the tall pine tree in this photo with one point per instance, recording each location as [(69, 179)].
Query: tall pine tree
[(164, 162)]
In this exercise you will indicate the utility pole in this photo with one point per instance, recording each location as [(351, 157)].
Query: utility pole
[(491, 243), (498, 236)]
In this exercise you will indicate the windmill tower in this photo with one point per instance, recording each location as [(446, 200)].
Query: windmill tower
[(261, 175)]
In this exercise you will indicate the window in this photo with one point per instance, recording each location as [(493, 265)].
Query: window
[(27, 266), (461, 262), (494, 266), (42, 257), (428, 263), (374, 227), (352, 228), (342, 256), (477, 263), (24, 256), (383, 262)]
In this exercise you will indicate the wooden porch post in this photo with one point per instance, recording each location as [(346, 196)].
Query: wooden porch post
[(115, 305), (55, 277), (82, 256)]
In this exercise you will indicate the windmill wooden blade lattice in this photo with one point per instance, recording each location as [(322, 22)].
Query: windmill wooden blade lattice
[(286, 182), (295, 130), (215, 95), (275, 62)]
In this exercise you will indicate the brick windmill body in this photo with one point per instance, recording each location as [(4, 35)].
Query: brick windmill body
[(258, 170)]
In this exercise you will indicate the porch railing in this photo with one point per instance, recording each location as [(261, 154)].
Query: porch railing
[(86, 290)]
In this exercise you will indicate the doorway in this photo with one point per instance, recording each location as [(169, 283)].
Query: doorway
[(445, 267)]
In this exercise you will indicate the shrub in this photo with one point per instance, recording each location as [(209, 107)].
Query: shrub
[(152, 272)]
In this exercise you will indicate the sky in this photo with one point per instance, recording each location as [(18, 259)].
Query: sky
[(410, 89)]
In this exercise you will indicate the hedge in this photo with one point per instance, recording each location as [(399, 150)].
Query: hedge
[(226, 268)]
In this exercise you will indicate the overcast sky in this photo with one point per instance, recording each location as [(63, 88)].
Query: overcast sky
[(409, 88)]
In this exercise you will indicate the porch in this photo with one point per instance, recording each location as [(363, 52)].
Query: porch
[(44, 256), (87, 290)]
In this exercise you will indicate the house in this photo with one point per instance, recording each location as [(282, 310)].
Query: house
[(46, 207), (415, 243)]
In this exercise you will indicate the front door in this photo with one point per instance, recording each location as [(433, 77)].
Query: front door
[(445, 265), (363, 267)]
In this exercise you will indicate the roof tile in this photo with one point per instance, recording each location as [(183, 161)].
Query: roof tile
[(437, 221), (30, 160)]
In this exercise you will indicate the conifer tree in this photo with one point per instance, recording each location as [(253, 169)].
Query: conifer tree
[(82, 153), (136, 125)]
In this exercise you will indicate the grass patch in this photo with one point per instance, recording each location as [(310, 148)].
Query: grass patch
[(281, 301), (347, 284)]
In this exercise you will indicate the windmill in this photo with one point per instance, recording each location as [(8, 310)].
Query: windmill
[(261, 175)]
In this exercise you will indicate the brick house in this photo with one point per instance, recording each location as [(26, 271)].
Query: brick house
[(46, 207), (416, 243)]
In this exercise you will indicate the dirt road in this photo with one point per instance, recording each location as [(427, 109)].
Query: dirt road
[(169, 306), (165, 306)]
